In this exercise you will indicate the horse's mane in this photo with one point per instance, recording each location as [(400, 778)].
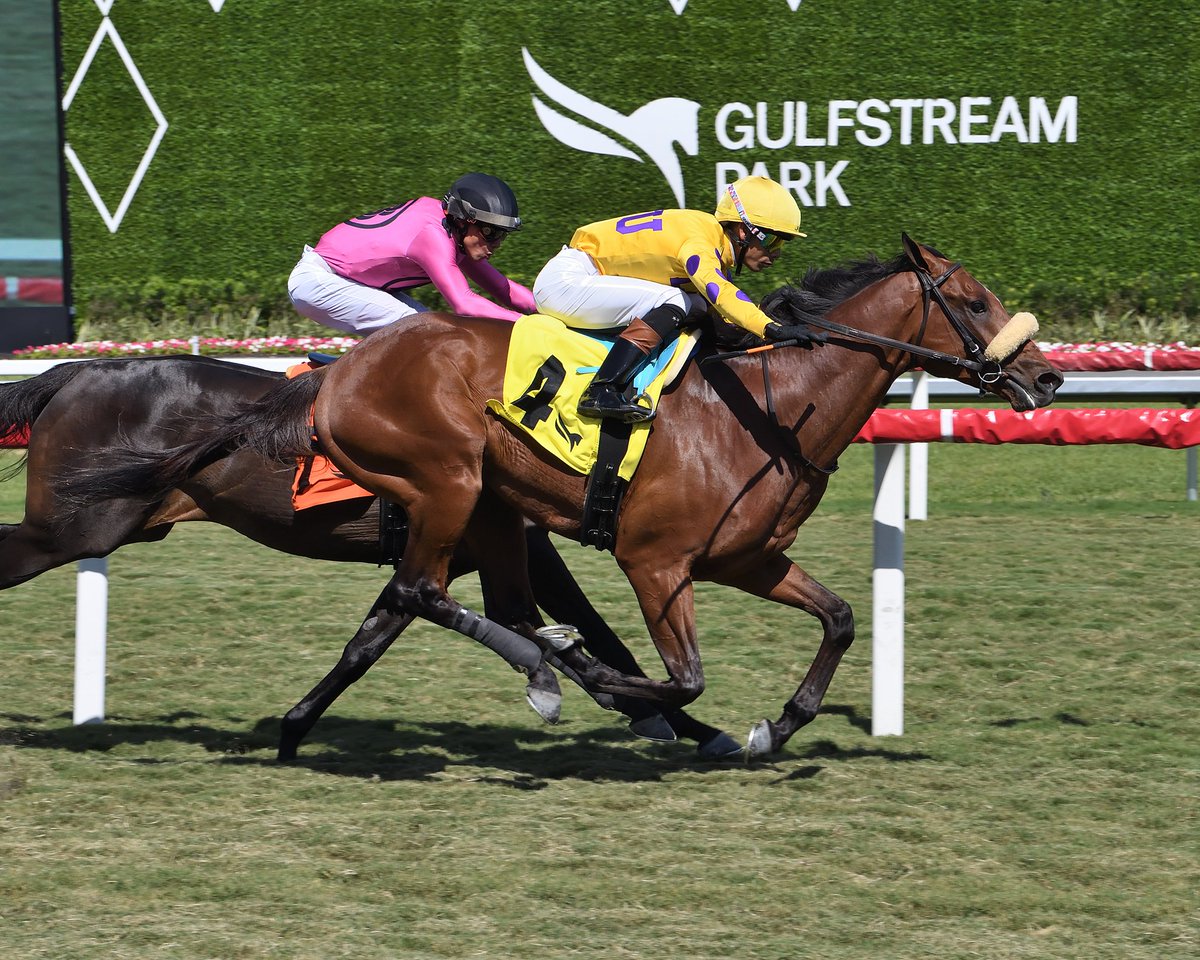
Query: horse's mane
[(821, 290), (818, 292)]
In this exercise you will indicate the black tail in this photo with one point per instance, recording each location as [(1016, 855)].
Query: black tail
[(22, 400), (277, 426)]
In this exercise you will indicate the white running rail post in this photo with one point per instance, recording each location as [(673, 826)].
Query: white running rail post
[(1191, 468), (918, 466), (91, 634), (887, 620)]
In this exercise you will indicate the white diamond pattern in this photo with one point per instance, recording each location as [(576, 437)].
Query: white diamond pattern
[(677, 5), (113, 218)]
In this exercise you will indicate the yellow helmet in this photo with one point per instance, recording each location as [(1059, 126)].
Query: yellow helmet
[(762, 205)]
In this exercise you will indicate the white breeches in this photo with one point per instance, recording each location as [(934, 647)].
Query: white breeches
[(571, 288), (321, 295)]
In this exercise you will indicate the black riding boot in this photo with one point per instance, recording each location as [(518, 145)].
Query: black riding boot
[(606, 396)]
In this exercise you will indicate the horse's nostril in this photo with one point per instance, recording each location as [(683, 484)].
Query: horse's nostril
[(1050, 380)]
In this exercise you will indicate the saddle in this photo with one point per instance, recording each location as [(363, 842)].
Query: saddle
[(548, 366)]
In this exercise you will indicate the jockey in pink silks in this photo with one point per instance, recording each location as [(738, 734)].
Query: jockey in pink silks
[(357, 276)]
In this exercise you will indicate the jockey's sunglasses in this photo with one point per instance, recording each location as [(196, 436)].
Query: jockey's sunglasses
[(491, 234)]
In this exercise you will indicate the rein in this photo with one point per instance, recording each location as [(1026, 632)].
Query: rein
[(989, 371)]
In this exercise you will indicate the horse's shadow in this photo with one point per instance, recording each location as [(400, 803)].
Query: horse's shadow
[(520, 757)]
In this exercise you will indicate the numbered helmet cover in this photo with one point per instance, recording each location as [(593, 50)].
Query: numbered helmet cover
[(482, 197), (760, 202)]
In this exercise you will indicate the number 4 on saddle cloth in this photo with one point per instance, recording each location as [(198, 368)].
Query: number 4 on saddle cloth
[(549, 365)]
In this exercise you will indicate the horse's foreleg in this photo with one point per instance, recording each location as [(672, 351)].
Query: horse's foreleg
[(494, 540), (666, 601), (558, 593), (784, 582)]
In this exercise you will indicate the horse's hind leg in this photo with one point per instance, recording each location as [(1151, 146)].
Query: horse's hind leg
[(417, 589), (27, 551), (392, 612), (784, 582), (383, 625)]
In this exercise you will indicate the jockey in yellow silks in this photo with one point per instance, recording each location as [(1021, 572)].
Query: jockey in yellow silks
[(646, 272)]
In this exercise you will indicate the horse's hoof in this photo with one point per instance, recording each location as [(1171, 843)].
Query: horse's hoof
[(653, 727), (547, 703), (559, 637), (286, 753), (720, 747), (758, 744)]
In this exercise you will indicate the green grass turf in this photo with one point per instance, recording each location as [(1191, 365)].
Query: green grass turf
[(1041, 804)]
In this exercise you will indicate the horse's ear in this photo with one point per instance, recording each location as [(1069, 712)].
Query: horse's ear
[(913, 250)]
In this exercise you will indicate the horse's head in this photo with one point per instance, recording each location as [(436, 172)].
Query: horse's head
[(963, 318)]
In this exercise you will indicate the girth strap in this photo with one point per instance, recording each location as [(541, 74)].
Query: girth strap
[(602, 499), (393, 533)]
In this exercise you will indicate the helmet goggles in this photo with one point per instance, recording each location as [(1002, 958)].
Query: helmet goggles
[(484, 201), (464, 210), (490, 232)]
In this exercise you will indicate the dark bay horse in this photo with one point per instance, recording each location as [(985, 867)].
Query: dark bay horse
[(730, 472), (80, 411)]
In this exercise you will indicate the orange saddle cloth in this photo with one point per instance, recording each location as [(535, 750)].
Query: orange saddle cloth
[(317, 480)]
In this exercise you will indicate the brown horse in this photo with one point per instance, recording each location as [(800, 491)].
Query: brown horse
[(731, 469), (80, 411)]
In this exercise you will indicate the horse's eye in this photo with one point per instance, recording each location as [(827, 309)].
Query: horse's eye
[(978, 306)]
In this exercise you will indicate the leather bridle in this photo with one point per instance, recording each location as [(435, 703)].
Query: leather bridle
[(988, 371)]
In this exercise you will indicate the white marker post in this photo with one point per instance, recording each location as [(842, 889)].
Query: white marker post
[(91, 634), (1191, 468), (918, 464), (887, 621)]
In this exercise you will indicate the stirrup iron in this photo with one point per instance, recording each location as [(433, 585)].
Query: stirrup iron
[(560, 637)]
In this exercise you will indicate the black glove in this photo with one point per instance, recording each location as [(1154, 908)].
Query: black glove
[(805, 335)]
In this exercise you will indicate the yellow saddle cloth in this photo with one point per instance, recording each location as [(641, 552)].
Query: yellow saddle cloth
[(549, 364)]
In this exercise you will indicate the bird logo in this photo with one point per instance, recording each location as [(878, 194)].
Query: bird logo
[(649, 133)]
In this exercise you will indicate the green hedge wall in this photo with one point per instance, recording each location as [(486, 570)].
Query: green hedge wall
[(287, 117)]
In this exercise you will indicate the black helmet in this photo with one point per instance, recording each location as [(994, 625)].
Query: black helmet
[(482, 197)]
